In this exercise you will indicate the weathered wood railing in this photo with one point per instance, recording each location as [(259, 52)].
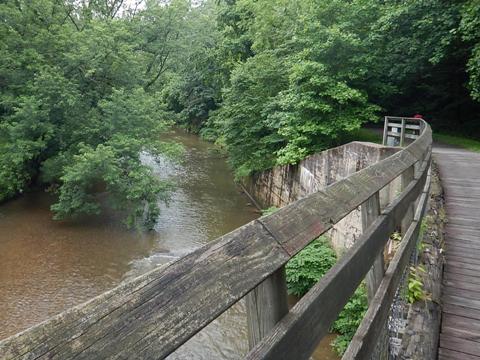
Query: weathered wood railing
[(397, 129), (152, 315)]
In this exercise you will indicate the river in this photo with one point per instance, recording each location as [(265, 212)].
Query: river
[(48, 266)]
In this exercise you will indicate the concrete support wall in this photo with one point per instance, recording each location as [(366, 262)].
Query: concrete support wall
[(283, 185)]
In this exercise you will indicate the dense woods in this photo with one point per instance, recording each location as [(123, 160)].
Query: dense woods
[(86, 86)]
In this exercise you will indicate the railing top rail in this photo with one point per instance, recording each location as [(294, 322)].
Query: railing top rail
[(152, 315), (403, 118)]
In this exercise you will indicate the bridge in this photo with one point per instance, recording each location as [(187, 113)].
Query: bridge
[(151, 316), (460, 333)]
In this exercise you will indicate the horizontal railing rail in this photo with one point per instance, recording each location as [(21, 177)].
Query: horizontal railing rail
[(154, 314)]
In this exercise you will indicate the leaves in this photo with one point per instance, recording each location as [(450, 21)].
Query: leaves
[(294, 95), (308, 266), (349, 319), (75, 114), (270, 81)]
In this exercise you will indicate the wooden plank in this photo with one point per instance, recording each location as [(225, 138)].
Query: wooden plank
[(460, 203), (465, 334), (463, 252), (467, 219), (407, 177), (463, 188), (296, 335), (455, 257), (449, 276), (398, 135), (464, 293), (385, 132), (370, 210), (460, 181), (461, 327), (459, 284), (446, 354), (464, 265), (154, 314), (463, 211), (407, 126), (462, 231), (266, 305), (455, 321), (414, 120), (465, 240), (455, 343), (419, 147), (461, 311), (465, 222), (452, 268), (461, 301), (463, 244), (402, 133)]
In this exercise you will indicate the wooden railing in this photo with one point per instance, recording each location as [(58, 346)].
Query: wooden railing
[(398, 129), (152, 315)]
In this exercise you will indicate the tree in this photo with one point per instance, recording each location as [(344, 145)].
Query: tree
[(470, 30), (297, 94), (75, 116), (419, 62), (86, 86)]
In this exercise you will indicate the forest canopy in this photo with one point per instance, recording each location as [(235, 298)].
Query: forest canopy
[(86, 86)]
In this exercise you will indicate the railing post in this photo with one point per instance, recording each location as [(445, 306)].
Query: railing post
[(370, 211), (407, 177), (402, 133), (266, 305), (385, 132)]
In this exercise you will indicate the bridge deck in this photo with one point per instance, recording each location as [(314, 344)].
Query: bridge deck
[(460, 332)]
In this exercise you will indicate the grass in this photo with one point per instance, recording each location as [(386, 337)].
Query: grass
[(463, 142), (364, 134)]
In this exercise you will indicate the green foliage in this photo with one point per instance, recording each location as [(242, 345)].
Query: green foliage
[(396, 236), (296, 93), (304, 75), (268, 211), (470, 30), (349, 319), (78, 104), (308, 266), (269, 81), (248, 135), (416, 291), (419, 47)]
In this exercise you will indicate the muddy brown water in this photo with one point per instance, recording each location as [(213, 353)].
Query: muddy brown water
[(47, 266)]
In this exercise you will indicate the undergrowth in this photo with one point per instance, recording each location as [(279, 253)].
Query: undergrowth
[(305, 269)]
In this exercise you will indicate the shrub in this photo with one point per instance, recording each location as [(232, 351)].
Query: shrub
[(308, 266), (349, 319), (305, 269)]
